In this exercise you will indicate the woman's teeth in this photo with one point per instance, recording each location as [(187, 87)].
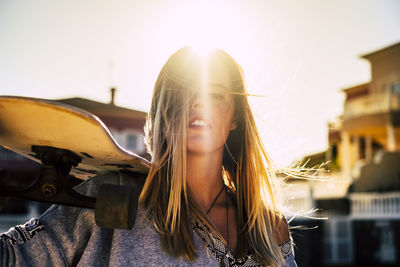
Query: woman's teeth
[(198, 123)]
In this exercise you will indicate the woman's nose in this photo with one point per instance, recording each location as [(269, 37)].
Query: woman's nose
[(198, 103)]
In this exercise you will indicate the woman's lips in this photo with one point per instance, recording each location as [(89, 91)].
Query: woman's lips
[(198, 123)]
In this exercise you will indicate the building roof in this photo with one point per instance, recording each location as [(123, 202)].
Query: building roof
[(356, 88), (384, 51), (99, 108), (357, 91), (115, 117)]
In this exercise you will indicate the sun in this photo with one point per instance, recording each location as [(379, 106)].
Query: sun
[(205, 25), (202, 49)]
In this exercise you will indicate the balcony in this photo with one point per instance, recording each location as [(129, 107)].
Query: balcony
[(371, 104), (375, 205), (372, 111)]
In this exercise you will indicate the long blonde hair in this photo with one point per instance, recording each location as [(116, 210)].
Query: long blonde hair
[(246, 164)]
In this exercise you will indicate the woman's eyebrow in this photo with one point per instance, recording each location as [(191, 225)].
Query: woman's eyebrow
[(219, 85)]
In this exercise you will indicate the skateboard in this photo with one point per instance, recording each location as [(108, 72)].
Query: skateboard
[(69, 143)]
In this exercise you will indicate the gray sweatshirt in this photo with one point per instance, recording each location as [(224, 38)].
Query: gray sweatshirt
[(69, 236)]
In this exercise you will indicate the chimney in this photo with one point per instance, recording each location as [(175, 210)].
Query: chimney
[(112, 101)]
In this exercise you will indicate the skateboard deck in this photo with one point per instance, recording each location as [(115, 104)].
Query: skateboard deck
[(29, 123), (69, 141)]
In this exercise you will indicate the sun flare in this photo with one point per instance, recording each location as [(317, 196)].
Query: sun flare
[(205, 25)]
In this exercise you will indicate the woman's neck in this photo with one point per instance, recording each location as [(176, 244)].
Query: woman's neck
[(204, 177)]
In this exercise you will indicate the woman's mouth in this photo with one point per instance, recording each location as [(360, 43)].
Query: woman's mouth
[(198, 124)]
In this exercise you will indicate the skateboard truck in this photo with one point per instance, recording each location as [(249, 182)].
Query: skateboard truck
[(53, 185), (115, 207)]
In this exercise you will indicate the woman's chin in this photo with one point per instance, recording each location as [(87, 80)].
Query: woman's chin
[(202, 148), (198, 150)]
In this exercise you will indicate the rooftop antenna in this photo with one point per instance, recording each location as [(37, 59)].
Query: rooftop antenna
[(113, 89)]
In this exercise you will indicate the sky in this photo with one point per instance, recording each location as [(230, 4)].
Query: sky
[(298, 55)]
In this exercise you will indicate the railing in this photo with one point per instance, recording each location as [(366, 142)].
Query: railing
[(371, 104), (375, 205)]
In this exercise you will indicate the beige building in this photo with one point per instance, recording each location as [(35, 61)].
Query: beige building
[(371, 120), (360, 200)]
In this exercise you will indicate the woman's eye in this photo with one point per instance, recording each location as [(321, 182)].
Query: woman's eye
[(217, 96)]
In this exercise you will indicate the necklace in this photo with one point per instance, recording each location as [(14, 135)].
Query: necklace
[(215, 200), (227, 224), (227, 215)]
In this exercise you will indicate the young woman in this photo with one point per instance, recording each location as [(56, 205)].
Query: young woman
[(208, 199)]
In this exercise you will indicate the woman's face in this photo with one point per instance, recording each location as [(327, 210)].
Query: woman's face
[(211, 112)]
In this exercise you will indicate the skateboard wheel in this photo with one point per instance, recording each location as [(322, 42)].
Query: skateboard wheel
[(116, 206)]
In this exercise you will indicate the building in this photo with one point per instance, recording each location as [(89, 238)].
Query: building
[(125, 125), (361, 199)]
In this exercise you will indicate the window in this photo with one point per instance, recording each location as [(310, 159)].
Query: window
[(395, 88), (338, 240), (334, 152), (132, 142), (395, 95), (129, 139), (387, 248)]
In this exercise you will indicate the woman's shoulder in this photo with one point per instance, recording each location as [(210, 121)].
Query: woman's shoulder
[(284, 239), (279, 225), (281, 229)]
